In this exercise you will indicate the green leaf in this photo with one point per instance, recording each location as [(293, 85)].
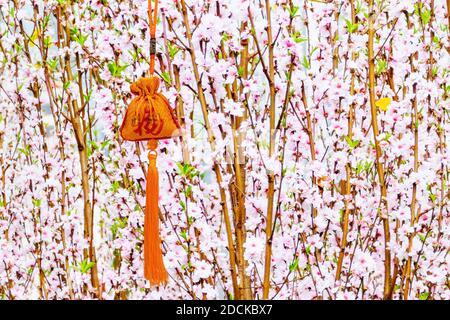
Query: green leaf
[(180, 166), (173, 50), (240, 71), (116, 69), (25, 151), (183, 234), (293, 11), (114, 186), (351, 143), (76, 35), (45, 22), (166, 77), (434, 71), (37, 202), (436, 41), (359, 167), (358, 6), (183, 205), (48, 41), (188, 171), (447, 89), (74, 31), (424, 296), (296, 36), (288, 75), (381, 66), (225, 37), (135, 53), (425, 15), (187, 192), (18, 48), (105, 144), (293, 265), (119, 223), (85, 266), (351, 27), (82, 39), (433, 197), (367, 166), (88, 150), (52, 64), (305, 62), (93, 144), (112, 67), (88, 96), (421, 237), (123, 222), (308, 267)]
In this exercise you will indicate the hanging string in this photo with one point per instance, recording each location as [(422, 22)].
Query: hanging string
[(152, 20), (154, 269)]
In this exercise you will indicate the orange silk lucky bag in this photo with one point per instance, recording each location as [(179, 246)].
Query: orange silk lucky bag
[(150, 117)]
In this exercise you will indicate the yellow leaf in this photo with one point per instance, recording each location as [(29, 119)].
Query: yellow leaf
[(34, 37), (383, 103)]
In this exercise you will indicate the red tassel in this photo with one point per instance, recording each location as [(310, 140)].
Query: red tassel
[(154, 269)]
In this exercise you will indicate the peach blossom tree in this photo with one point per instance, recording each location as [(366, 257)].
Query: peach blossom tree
[(313, 164)]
